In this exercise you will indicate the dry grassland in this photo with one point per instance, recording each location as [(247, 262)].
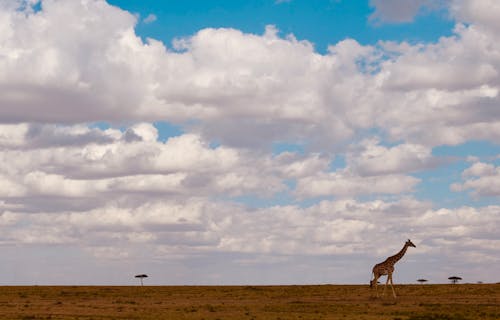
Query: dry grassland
[(415, 302)]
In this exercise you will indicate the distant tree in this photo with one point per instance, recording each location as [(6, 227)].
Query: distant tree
[(454, 279), (141, 276), (422, 281)]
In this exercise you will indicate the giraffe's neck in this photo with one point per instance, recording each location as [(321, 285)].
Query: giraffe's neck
[(395, 258)]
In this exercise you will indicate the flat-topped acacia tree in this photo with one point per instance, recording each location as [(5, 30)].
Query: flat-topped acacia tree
[(454, 279), (141, 276)]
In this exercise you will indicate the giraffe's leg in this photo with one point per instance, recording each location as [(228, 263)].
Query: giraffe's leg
[(392, 287), (375, 281), (385, 287)]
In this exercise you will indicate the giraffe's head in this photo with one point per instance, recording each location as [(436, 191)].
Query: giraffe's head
[(373, 282), (410, 244)]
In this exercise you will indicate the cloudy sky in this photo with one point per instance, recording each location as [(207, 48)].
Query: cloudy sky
[(248, 142)]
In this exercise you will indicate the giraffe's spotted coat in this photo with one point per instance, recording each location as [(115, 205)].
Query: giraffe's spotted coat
[(386, 268)]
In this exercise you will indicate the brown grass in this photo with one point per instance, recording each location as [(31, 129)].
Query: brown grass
[(415, 302)]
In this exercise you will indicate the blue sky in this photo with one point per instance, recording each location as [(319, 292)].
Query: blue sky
[(322, 22), (237, 142)]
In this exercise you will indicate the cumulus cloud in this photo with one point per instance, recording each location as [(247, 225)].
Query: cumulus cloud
[(344, 228), (482, 179), (483, 13), (245, 90), (399, 11), (320, 228), (82, 162), (66, 181), (62, 67), (223, 77), (79, 162), (442, 105), (120, 193), (348, 184), (371, 158)]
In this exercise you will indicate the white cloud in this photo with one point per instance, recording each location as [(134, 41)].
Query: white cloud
[(375, 159), (150, 18), (142, 132), (245, 89), (86, 162), (49, 73), (483, 12), (13, 135), (479, 169), (175, 230), (224, 78), (482, 179), (292, 166), (399, 11), (112, 191), (346, 183), (78, 162), (441, 105)]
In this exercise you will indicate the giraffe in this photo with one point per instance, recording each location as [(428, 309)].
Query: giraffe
[(387, 268)]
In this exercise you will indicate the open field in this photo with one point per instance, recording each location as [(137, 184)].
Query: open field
[(415, 302)]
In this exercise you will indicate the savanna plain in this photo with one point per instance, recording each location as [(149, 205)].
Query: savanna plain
[(414, 302)]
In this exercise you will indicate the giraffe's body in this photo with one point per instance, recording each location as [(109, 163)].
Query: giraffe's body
[(386, 268)]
